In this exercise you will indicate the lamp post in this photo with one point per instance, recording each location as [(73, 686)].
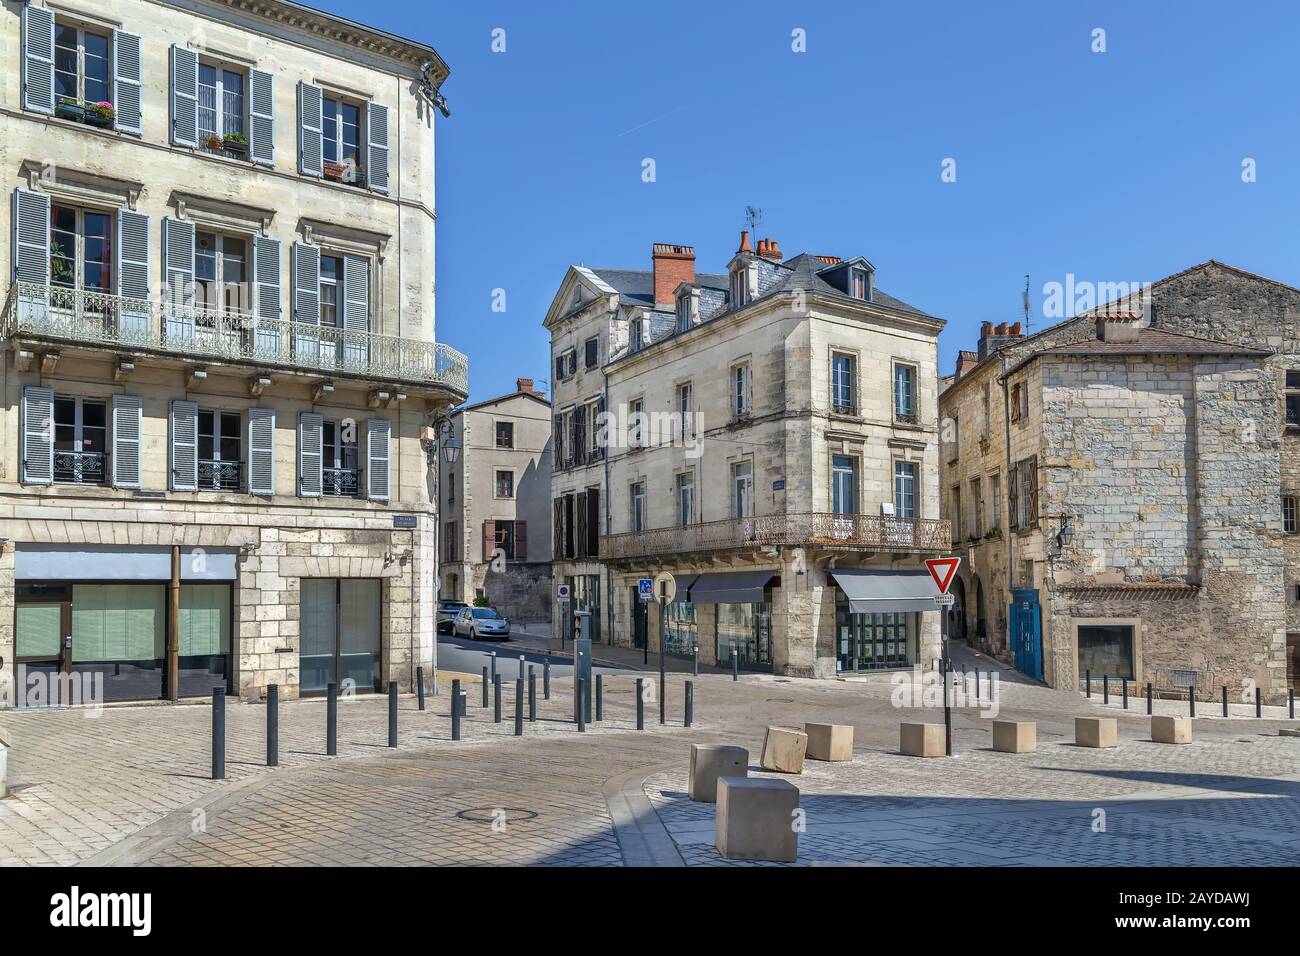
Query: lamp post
[(445, 446)]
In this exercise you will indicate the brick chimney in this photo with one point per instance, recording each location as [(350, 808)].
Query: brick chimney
[(768, 249), (994, 337), (1121, 327), (673, 265), (524, 385)]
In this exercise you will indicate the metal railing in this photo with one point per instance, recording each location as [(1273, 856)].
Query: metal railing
[(80, 467), (96, 319), (220, 475), (340, 482), (813, 529)]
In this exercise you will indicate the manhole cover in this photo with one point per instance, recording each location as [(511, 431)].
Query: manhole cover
[(495, 814)]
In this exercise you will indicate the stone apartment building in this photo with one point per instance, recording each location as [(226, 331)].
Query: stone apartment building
[(769, 435), (220, 365), (1124, 487), (496, 503)]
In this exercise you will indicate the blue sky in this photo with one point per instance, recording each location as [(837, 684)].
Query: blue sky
[(1117, 166)]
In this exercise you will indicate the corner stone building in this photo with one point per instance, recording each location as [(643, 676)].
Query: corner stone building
[(1124, 487), (219, 364)]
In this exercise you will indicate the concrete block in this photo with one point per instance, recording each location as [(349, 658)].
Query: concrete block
[(711, 761), (1015, 736), (1171, 730), (755, 819), (1096, 732), (829, 741), (784, 749), (921, 740)]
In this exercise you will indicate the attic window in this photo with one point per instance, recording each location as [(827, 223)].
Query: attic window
[(637, 336), (860, 284), (685, 318), (739, 287)]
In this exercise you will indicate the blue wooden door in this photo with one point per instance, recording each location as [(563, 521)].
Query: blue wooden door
[(1027, 632)]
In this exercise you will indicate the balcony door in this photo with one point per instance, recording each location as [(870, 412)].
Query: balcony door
[(340, 460), (81, 267), (222, 290), (220, 451), (80, 441)]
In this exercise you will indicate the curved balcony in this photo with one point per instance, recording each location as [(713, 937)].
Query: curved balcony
[(96, 320), (806, 530)]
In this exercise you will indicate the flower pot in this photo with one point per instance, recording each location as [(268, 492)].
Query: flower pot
[(98, 119), (72, 111), (239, 150), (334, 171)]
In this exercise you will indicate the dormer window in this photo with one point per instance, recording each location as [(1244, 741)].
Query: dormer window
[(860, 284), (686, 306), (637, 336), (739, 286)]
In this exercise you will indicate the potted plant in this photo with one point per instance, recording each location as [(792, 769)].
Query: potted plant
[(68, 108), (334, 171), (100, 114), (213, 143), (358, 177), (237, 145)]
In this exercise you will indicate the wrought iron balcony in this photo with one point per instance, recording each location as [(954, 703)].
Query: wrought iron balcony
[(340, 482), (220, 475), (807, 530), (97, 320), (80, 467)]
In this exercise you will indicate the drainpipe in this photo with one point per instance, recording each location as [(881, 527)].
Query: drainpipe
[(609, 574), (1006, 425)]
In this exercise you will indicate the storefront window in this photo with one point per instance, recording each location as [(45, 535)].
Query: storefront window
[(681, 632), (746, 630), (340, 633), (204, 641), (871, 641), (119, 630)]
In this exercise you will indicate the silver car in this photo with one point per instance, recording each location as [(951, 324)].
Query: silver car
[(481, 622)]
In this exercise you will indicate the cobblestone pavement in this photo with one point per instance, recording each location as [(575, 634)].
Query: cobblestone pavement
[(131, 786)]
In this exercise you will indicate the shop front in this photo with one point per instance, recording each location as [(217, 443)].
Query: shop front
[(877, 617), (96, 622), (742, 609)]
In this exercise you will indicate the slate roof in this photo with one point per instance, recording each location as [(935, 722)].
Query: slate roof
[(637, 286), (1149, 342)]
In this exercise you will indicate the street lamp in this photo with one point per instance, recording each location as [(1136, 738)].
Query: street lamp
[(451, 449), (1063, 537)]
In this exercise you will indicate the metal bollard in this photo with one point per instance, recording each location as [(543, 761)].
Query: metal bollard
[(1105, 688), (496, 698), (1258, 712), (273, 725), (690, 704), (392, 713), (578, 708), (1290, 697), (1191, 701), (485, 686), (218, 733), (332, 719), (977, 684), (1088, 681), (493, 658), (640, 705), (532, 695), (735, 665), (600, 697), (419, 685), (522, 664), (455, 709), (519, 705), (695, 660), (546, 680), (1124, 687), (1225, 700), (1148, 698)]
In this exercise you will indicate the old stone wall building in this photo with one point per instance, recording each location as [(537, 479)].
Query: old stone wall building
[(220, 365), (768, 435), (1123, 486), (496, 505)]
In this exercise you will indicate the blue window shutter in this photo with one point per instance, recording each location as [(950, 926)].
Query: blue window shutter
[(356, 311), (178, 280), (38, 435), (378, 458), (128, 421), (261, 114), (185, 446), (126, 82), (261, 451), (38, 59), (310, 145), (310, 455), (31, 255), (377, 147), (132, 269), (185, 96), (269, 336), (306, 303)]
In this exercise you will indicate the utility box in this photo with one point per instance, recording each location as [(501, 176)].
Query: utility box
[(582, 660)]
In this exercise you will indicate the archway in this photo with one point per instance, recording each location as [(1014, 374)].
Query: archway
[(981, 632), (957, 626)]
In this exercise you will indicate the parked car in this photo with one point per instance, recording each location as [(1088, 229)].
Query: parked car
[(477, 622), (448, 611)]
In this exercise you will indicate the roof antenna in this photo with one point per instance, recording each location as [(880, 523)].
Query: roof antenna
[(753, 216), (1025, 302)]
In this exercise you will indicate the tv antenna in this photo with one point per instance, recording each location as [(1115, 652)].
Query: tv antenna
[(753, 216), (1024, 299)]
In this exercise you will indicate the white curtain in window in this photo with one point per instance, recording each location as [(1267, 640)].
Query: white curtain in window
[(37, 631), (205, 620), (118, 622)]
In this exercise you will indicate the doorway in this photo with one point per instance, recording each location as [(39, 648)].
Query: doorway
[(640, 622), (340, 639)]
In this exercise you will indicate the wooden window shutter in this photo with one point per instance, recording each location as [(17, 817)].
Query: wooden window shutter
[(593, 522), (1013, 497), (132, 261), (310, 454), (261, 451), (126, 82), (38, 59), (261, 115), (557, 528), (580, 525), (185, 446), (1033, 493), (379, 459), (580, 435), (377, 147), (38, 435), (185, 96), (489, 539), (128, 420), (311, 146)]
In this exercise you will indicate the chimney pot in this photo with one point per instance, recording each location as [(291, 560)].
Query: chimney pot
[(1015, 328), (1001, 328), (744, 242), (986, 328), (524, 385)]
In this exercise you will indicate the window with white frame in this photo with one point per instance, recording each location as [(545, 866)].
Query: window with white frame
[(843, 375), (739, 287), (742, 489), (860, 284), (636, 429), (686, 497), (905, 394), (684, 311), (740, 390), (636, 512), (222, 98), (341, 132), (340, 459), (685, 410), (220, 450), (80, 440), (81, 248), (331, 285), (844, 481), (905, 489), (221, 273), (82, 64)]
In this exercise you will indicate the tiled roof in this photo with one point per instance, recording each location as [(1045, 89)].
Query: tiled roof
[(1155, 342)]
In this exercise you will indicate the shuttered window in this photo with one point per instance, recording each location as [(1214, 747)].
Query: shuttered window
[(377, 147), (38, 435), (128, 422), (126, 82), (310, 146), (378, 454), (32, 238), (132, 270), (261, 117), (261, 451), (185, 96), (38, 59), (184, 446), (309, 455)]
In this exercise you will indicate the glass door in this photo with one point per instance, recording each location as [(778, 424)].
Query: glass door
[(340, 634)]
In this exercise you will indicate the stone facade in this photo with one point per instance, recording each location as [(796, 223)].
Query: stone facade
[(383, 372), (783, 343), (1167, 458)]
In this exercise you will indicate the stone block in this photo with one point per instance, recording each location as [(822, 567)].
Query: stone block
[(829, 741), (1096, 732), (921, 740), (1171, 730), (711, 761), (755, 819), (784, 749), (1015, 736)]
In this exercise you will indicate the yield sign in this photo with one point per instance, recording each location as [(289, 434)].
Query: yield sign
[(942, 570)]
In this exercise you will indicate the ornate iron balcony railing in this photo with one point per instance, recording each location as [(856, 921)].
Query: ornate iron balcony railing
[(817, 529), (80, 467), (89, 318), (220, 475), (340, 482)]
